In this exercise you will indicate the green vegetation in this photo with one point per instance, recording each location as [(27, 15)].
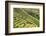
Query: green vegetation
[(25, 17)]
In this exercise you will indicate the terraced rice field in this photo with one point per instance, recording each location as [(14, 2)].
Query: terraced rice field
[(25, 17)]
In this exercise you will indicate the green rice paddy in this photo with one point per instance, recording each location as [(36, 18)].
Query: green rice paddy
[(25, 17)]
